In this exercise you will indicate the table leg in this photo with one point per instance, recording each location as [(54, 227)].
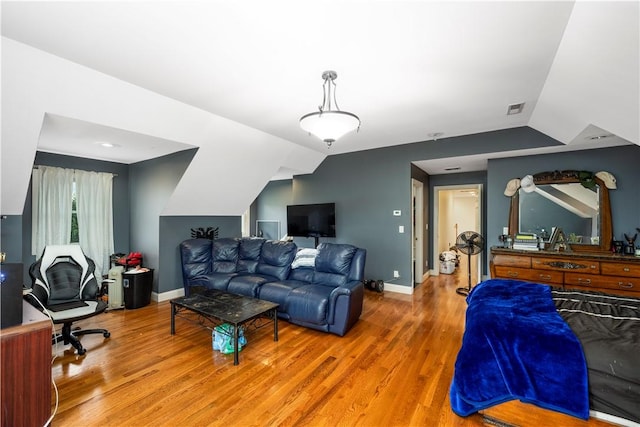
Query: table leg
[(235, 344), (275, 325), (173, 319)]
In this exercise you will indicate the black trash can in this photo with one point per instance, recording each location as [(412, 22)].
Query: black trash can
[(137, 288)]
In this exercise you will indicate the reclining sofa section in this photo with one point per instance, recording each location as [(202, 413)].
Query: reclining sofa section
[(326, 295)]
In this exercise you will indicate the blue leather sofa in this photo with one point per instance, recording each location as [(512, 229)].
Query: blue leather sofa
[(327, 296)]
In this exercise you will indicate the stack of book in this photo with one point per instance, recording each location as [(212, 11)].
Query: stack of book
[(526, 242)]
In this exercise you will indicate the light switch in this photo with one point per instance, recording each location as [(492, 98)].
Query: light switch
[(397, 213), (401, 229)]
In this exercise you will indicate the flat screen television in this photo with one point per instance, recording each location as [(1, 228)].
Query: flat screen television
[(316, 220)]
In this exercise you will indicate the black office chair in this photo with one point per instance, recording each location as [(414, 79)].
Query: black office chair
[(64, 285)]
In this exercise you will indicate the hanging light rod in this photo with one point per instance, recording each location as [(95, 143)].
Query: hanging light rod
[(329, 123)]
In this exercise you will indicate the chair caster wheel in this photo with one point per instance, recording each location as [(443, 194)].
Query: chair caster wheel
[(106, 334), (81, 352)]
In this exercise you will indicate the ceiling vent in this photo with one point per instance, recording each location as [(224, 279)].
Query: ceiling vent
[(598, 137), (515, 108), (452, 168)]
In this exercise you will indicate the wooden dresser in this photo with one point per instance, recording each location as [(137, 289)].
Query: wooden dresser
[(26, 370), (605, 272)]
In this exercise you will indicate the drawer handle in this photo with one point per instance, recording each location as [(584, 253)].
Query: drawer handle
[(512, 274), (626, 269), (545, 276), (625, 285), (581, 280)]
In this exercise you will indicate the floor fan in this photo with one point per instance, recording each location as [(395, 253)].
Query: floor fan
[(470, 243)]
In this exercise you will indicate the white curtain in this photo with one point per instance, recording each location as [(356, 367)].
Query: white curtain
[(95, 217), (52, 190)]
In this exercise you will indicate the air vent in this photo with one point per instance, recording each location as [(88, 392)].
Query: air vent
[(452, 168), (597, 137), (515, 108)]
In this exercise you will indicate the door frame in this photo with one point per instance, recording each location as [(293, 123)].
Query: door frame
[(417, 232), (436, 217)]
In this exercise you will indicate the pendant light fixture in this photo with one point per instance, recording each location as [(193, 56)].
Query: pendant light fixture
[(329, 123)]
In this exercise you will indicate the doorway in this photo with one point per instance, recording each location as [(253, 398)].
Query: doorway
[(457, 208)]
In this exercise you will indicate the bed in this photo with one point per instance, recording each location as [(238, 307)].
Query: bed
[(567, 351)]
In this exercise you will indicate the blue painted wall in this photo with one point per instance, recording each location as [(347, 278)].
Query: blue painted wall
[(622, 162), (367, 186)]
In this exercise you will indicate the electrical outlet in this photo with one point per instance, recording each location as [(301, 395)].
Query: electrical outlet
[(401, 229), (396, 274)]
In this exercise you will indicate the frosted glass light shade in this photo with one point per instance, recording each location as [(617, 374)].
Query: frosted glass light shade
[(329, 125)]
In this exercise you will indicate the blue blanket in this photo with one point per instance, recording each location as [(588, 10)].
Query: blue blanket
[(516, 346)]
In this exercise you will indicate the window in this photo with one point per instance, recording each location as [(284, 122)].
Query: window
[(73, 206), (75, 237)]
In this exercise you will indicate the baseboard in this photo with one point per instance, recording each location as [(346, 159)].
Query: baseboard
[(165, 296), (398, 288), (612, 419)]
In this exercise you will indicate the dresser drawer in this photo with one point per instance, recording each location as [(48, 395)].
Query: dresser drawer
[(568, 265), (630, 284), (620, 269), (530, 275), (512, 261)]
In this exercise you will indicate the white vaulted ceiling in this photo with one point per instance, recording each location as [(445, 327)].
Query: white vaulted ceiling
[(235, 76)]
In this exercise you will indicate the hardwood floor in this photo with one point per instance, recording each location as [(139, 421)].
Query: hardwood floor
[(392, 369)]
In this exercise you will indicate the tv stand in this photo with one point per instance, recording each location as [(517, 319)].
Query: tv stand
[(316, 241)]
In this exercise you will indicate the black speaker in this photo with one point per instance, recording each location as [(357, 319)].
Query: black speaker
[(11, 294), (374, 285)]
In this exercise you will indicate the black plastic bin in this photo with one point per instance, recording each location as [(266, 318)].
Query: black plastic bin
[(137, 288)]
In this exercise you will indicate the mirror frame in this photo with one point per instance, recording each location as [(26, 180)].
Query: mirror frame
[(563, 177)]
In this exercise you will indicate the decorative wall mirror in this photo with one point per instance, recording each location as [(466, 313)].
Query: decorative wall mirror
[(577, 202)]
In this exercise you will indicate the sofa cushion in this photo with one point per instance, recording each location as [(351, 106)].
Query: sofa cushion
[(249, 254), (248, 284), (196, 257), (276, 258), (335, 258), (250, 247), (333, 264), (303, 274), (224, 255), (279, 291)]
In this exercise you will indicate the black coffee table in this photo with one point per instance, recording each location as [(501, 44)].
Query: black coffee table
[(222, 307)]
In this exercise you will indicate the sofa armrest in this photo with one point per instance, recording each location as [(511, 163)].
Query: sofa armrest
[(345, 306)]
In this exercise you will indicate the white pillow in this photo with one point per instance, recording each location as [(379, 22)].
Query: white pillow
[(305, 258)]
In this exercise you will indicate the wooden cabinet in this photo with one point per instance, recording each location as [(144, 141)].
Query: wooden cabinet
[(603, 272), (26, 370)]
